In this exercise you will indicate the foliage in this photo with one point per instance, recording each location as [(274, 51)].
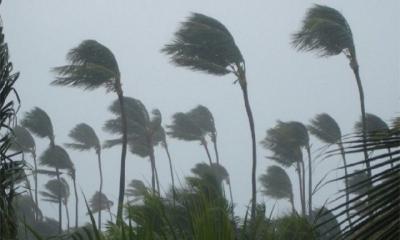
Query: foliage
[(39, 123), (276, 183)]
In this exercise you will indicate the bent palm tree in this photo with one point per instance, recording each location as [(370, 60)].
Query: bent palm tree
[(92, 65), (326, 129), (99, 202), (56, 157), (57, 190), (39, 123), (326, 31), (24, 142), (85, 139), (143, 131), (185, 127), (205, 44), (276, 184)]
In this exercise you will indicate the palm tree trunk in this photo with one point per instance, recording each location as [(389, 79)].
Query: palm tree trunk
[(390, 157), (101, 186), (35, 177), (299, 171), (292, 204), (243, 85), (346, 181), (310, 185), (76, 200), (303, 189), (354, 66), (204, 143), (171, 171), (216, 149), (59, 205), (123, 152), (157, 179), (67, 212)]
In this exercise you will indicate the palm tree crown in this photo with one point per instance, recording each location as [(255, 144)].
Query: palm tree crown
[(376, 127), (56, 157), (22, 140), (85, 138), (276, 183), (39, 123), (325, 128), (56, 190)]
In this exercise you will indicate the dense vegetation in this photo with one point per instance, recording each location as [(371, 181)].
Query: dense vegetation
[(201, 206)]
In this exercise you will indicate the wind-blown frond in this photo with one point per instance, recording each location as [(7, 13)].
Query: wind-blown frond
[(203, 43), (56, 190), (325, 31), (214, 170), (376, 128), (91, 65), (184, 128), (39, 123), (22, 140), (85, 138), (276, 183), (325, 128), (56, 157), (204, 119), (99, 202), (136, 190)]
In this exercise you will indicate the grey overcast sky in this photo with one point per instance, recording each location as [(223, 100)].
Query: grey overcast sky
[(283, 84)]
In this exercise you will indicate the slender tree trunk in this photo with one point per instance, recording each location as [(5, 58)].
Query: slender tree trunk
[(101, 186), (292, 204), (243, 85), (299, 171), (303, 179), (354, 66), (35, 177), (346, 182), (214, 140), (76, 201), (123, 152), (67, 212), (59, 205), (231, 196), (310, 185), (204, 143), (390, 157), (171, 171), (157, 179)]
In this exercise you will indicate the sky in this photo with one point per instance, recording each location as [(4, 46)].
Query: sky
[(283, 84)]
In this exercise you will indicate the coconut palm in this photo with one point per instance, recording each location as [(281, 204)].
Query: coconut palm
[(85, 139), (99, 202), (276, 184), (56, 157), (39, 123), (205, 120), (326, 31), (184, 127), (92, 65), (204, 44), (24, 142), (143, 131), (136, 190), (326, 129), (57, 190)]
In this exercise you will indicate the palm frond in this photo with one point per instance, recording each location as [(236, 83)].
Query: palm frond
[(22, 140), (100, 202), (203, 43), (39, 123), (56, 157), (85, 138), (325, 128), (325, 31), (56, 190), (203, 118), (376, 128), (184, 128), (90, 65), (276, 183)]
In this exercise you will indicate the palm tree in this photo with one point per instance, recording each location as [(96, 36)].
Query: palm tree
[(326, 31), (205, 120), (93, 65), (57, 190), (136, 190), (24, 142), (56, 157), (143, 131), (85, 139), (205, 44), (99, 202), (184, 127), (39, 123), (276, 184), (326, 129)]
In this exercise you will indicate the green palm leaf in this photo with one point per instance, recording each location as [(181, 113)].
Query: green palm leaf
[(276, 183), (56, 157), (85, 138), (325, 128), (39, 123), (22, 140)]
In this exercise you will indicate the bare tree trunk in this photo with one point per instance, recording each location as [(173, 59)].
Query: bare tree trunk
[(67, 212), (346, 182), (243, 85), (101, 187), (214, 140), (123, 152), (204, 143), (171, 171), (59, 205), (299, 174), (310, 185), (35, 177), (303, 179), (76, 201)]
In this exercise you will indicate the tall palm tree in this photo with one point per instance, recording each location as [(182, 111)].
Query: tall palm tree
[(39, 123), (92, 65), (24, 142), (326, 129), (143, 131), (203, 118), (57, 190), (184, 127), (276, 184), (326, 31), (56, 157), (204, 44), (85, 139), (99, 202)]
